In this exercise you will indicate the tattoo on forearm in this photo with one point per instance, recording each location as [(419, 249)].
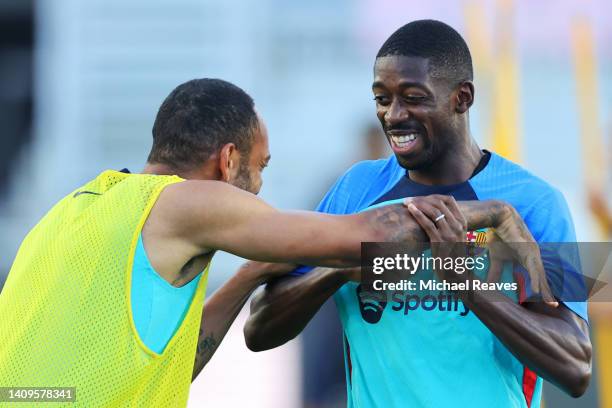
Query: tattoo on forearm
[(492, 213), (398, 224), (205, 349), (481, 214)]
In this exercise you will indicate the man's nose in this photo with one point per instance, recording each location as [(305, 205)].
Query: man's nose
[(397, 113)]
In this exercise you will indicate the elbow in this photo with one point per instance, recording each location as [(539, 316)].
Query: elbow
[(260, 329), (253, 337), (257, 332), (582, 387), (258, 338), (580, 384), (254, 329), (581, 371), (262, 336)]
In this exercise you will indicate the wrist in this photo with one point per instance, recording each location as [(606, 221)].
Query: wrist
[(502, 212), (263, 272), (253, 272), (341, 275), (346, 275)]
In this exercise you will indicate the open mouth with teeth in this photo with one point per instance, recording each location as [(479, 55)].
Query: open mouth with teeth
[(404, 143)]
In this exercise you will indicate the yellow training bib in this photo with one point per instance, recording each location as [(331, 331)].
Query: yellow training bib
[(65, 313)]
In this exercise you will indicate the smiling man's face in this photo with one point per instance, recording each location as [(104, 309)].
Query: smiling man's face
[(415, 110)]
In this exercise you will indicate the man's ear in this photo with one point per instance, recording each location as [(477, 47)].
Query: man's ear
[(465, 97), (228, 161)]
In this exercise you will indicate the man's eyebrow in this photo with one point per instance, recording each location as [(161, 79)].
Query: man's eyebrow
[(411, 84), (402, 84)]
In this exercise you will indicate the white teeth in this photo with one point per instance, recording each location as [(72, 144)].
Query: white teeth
[(403, 141)]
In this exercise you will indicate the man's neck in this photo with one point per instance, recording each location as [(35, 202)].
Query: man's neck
[(163, 170), (454, 167), (158, 169)]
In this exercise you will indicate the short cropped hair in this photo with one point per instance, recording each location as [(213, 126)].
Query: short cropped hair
[(448, 54), (198, 118)]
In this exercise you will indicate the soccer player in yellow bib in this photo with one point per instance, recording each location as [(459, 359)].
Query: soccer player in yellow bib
[(106, 292)]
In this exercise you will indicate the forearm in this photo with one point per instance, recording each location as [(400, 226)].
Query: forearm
[(546, 337), (330, 240), (219, 313), (553, 346), (392, 224), (282, 310), (483, 214)]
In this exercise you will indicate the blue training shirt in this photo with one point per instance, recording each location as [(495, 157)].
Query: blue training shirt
[(412, 352), (158, 307)]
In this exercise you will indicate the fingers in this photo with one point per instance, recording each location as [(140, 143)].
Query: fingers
[(547, 294), (451, 203), (542, 290), (444, 213), (543, 287), (436, 204), (427, 209), (519, 244), (495, 270), (434, 208), (425, 222), (450, 218), (539, 283)]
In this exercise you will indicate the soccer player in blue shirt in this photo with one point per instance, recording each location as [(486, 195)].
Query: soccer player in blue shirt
[(409, 352)]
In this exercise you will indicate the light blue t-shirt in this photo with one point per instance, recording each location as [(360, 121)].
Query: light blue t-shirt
[(158, 307), (432, 351)]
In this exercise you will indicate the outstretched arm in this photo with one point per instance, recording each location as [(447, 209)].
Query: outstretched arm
[(197, 217), (208, 215), (281, 310)]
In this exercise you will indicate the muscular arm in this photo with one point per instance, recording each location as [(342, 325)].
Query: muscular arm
[(282, 309), (206, 215), (195, 217), (223, 306), (553, 342), (546, 337)]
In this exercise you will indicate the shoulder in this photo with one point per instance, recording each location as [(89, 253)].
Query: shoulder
[(362, 180), (177, 204), (189, 192), (189, 204), (504, 179), (372, 168), (542, 206)]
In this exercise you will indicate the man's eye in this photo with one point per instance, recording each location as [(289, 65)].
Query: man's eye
[(415, 98), (381, 99)]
